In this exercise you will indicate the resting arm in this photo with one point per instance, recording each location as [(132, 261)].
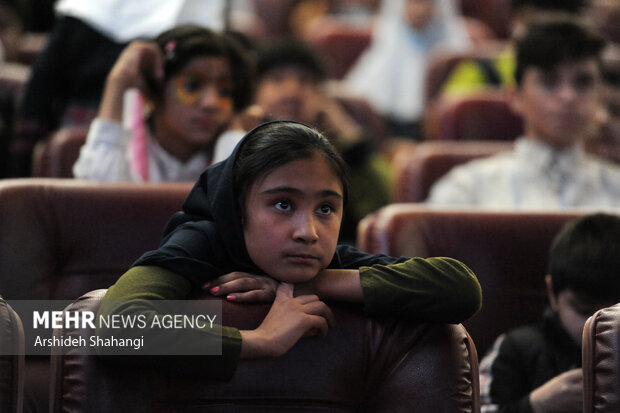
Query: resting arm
[(433, 289), (138, 284)]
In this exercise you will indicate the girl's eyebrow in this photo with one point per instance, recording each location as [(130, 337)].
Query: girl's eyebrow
[(299, 192)]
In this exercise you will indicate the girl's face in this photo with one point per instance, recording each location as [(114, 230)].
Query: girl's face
[(293, 219), (197, 106)]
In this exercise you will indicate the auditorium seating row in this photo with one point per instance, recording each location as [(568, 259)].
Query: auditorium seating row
[(64, 239)]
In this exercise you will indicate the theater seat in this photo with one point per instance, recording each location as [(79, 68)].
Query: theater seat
[(363, 365), (11, 360), (340, 45), (496, 14), (54, 157), (601, 361), (60, 238), (507, 251), (482, 116), (418, 166)]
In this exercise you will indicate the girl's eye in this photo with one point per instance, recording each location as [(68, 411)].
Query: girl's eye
[(283, 205), (192, 85), (224, 92), (325, 209)]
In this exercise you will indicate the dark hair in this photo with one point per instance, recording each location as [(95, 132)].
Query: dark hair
[(567, 6), (585, 257), (552, 40), (182, 43), (289, 52), (274, 144)]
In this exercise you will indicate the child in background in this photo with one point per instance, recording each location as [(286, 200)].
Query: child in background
[(291, 86), (560, 95), (194, 81), (392, 72), (263, 226), (538, 368)]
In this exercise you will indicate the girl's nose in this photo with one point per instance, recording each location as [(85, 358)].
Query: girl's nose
[(305, 229)]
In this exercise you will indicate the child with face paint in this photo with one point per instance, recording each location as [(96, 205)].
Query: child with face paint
[(263, 226), (192, 81)]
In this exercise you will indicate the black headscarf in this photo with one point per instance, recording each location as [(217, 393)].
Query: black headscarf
[(205, 239)]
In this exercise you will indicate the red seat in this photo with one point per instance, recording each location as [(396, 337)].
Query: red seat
[(55, 156), (340, 45), (418, 166), (11, 360), (601, 361), (507, 251), (364, 364), (496, 14), (60, 238), (483, 116)]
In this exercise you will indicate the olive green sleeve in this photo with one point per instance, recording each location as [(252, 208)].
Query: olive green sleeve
[(434, 289), (131, 295)]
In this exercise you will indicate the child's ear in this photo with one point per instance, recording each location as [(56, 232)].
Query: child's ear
[(550, 294), (514, 100)]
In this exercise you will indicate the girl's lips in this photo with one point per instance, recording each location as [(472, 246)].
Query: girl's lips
[(302, 258)]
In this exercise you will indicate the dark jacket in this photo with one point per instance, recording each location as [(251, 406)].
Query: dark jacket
[(523, 360)]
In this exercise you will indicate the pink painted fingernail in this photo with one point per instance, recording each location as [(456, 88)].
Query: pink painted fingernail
[(230, 297), (215, 289)]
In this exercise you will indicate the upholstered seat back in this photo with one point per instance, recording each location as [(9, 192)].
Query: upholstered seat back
[(507, 250), (601, 361), (11, 360), (363, 365), (62, 238), (417, 167)]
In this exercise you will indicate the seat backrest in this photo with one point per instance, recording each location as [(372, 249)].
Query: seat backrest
[(496, 14), (482, 116), (340, 45), (364, 364), (60, 238), (419, 165), (506, 250), (601, 361), (54, 157), (11, 360), (365, 115)]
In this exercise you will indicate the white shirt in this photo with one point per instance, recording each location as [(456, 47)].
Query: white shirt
[(532, 176), (106, 156), (391, 73)]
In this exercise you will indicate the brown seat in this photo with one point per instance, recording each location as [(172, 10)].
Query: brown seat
[(60, 238), (496, 14), (54, 157), (482, 116), (11, 360), (340, 45), (418, 166), (363, 113), (507, 251), (363, 365), (601, 361)]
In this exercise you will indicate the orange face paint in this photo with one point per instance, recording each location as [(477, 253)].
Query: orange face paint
[(192, 86)]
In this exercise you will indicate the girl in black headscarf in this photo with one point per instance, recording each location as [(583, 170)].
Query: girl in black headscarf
[(263, 226)]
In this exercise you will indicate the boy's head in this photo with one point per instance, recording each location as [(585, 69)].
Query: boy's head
[(559, 82), (584, 269), (287, 71)]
